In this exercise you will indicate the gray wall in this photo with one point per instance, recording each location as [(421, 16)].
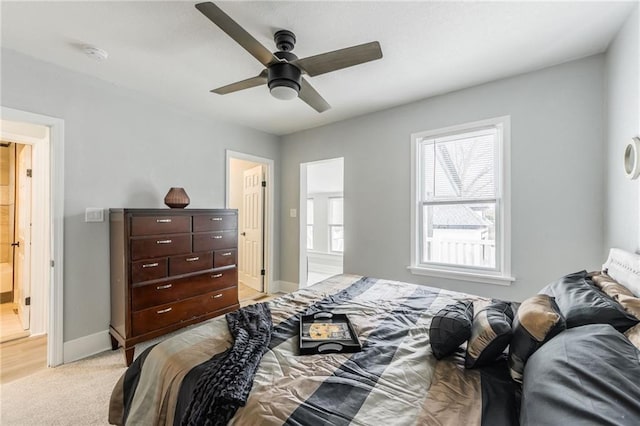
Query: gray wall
[(122, 149), (622, 214), (557, 176)]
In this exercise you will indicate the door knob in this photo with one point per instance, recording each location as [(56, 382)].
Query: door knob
[(16, 244), (243, 233)]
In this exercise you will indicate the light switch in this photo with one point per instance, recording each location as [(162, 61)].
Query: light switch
[(94, 214), (293, 212)]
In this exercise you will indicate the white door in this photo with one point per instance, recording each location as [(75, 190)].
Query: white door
[(22, 278), (250, 264)]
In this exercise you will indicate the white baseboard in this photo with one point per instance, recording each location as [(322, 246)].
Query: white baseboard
[(86, 346), (283, 287)]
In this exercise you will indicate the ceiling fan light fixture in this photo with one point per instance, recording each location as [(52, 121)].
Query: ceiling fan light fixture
[(284, 81), (283, 92)]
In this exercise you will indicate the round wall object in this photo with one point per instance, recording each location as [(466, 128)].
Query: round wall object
[(632, 159)]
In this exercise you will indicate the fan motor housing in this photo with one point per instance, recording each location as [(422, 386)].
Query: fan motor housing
[(284, 73)]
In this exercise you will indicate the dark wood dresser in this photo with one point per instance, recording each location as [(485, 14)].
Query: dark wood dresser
[(169, 268)]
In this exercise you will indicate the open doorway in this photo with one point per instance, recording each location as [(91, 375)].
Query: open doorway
[(15, 240), (37, 142), (250, 191), (321, 220)]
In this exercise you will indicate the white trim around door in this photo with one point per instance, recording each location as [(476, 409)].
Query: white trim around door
[(269, 285), (51, 268)]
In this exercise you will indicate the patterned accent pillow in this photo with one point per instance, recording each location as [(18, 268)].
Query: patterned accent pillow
[(538, 319), (450, 328), (490, 332), (582, 303)]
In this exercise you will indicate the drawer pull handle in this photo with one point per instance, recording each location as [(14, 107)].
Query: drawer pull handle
[(163, 242), (192, 259), (163, 220), (216, 296), (164, 311), (226, 254), (216, 219), (216, 275), (150, 265), (217, 237), (164, 287)]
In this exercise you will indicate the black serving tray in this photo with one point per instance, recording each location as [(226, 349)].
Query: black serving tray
[(326, 332)]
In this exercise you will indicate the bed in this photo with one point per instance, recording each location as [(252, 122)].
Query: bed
[(394, 380)]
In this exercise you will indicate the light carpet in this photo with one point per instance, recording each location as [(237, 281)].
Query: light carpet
[(73, 394)]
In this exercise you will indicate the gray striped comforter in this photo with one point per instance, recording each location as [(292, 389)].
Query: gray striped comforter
[(394, 380)]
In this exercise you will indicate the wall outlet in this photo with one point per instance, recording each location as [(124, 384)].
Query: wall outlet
[(94, 214), (293, 212)]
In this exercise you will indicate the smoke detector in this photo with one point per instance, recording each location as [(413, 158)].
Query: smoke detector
[(95, 52)]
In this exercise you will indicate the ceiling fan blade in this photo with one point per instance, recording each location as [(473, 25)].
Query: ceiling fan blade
[(236, 32), (339, 59), (241, 85), (311, 97)]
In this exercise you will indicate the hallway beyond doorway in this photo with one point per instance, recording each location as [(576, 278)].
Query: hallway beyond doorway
[(10, 325)]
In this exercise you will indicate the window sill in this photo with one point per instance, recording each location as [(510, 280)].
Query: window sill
[(462, 276)]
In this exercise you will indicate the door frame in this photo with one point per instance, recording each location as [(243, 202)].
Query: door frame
[(269, 208), (50, 154)]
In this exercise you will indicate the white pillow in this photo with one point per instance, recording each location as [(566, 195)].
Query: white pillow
[(624, 267)]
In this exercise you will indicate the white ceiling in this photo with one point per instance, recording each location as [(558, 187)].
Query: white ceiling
[(170, 51)]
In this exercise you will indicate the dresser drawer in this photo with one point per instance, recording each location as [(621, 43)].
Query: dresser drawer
[(149, 295), (215, 240), (224, 258), (165, 315), (147, 270), (153, 225), (193, 262), (214, 222), (146, 248)]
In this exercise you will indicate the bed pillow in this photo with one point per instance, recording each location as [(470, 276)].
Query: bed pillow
[(582, 303), (537, 320), (584, 376), (617, 292), (490, 332), (624, 267), (450, 328)]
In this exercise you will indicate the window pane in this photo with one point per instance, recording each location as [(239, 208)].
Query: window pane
[(459, 234), (310, 211), (310, 236), (335, 211), (337, 238), (459, 168)]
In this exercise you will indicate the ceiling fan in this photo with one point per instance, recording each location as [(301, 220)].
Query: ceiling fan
[(283, 72)]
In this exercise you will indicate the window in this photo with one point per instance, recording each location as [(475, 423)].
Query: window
[(460, 224), (310, 223), (336, 226)]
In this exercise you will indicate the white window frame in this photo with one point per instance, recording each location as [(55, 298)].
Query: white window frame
[(312, 224), (331, 225), (501, 275)]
